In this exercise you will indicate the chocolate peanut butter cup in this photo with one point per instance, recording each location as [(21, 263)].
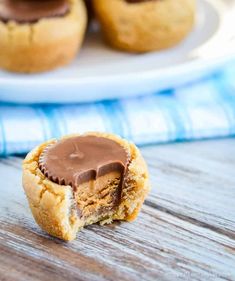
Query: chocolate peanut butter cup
[(29, 11), (88, 164), (76, 160), (139, 1)]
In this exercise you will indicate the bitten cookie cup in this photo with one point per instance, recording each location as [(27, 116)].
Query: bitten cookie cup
[(142, 26), (45, 44), (116, 190)]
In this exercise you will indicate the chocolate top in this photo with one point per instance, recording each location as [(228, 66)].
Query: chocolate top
[(137, 1), (29, 11), (76, 160)]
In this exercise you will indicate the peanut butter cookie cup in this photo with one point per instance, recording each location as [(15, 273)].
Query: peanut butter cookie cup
[(39, 35), (145, 25), (83, 179)]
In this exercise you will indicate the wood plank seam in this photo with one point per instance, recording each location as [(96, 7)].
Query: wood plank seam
[(194, 221)]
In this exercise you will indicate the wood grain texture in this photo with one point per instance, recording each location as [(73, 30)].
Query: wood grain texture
[(186, 230), (195, 182)]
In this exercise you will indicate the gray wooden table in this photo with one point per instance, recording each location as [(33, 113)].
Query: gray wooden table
[(186, 230)]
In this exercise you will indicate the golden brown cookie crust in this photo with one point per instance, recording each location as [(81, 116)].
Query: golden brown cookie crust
[(54, 207), (45, 45), (146, 26)]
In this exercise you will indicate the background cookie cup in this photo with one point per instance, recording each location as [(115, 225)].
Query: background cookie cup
[(54, 206), (145, 25), (45, 44)]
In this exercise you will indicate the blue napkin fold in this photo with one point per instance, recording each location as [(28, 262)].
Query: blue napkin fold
[(203, 109)]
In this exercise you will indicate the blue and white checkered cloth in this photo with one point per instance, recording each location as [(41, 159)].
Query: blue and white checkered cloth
[(203, 109)]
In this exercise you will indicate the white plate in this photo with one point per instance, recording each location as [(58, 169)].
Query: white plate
[(102, 73)]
